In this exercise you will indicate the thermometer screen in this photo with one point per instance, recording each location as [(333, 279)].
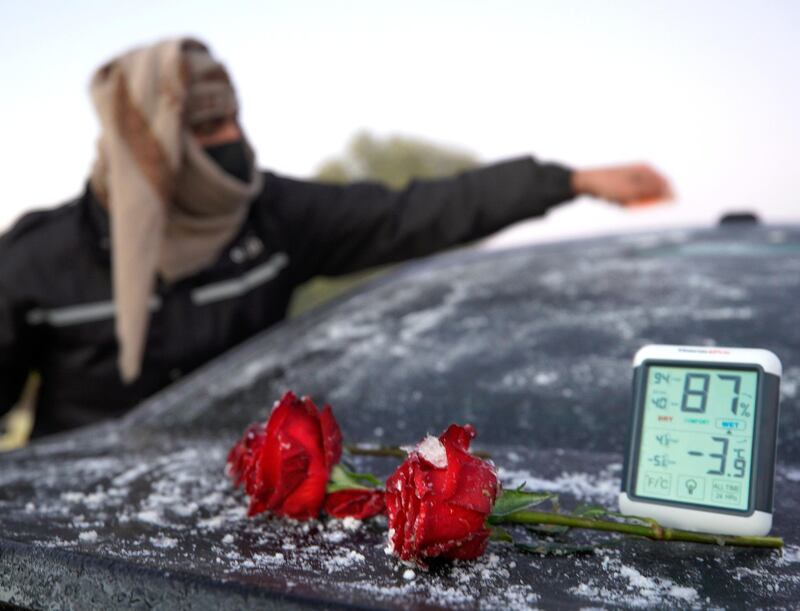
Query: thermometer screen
[(697, 436)]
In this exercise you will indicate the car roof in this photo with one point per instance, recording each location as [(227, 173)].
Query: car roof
[(532, 346)]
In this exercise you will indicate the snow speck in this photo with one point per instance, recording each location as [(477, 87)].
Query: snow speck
[(263, 560), (150, 517), (163, 542), (337, 536), (432, 450), (545, 378), (227, 539), (344, 561), (409, 574), (351, 524), (90, 536)]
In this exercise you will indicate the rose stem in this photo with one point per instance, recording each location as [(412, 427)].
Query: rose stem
[(393, 451), (654, 531)]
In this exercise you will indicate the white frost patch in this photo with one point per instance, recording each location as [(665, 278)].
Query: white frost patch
[(351, 524), (723, 314), (211, 523), (485, 583), (93, 500), (793, 475), (89, 536), (164, 542), (150, 517), (583, 486), (432, 450), (789, 381), (185, 511), (545, 378), (227, 539), (268, 559), (640, 591), (790, 555), (344, 561), (337, 536), (389, 549), (245, 377), (129, 476)]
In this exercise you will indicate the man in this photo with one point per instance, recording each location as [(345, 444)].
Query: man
[(179, 248)]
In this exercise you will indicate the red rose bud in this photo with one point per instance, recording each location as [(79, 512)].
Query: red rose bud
[(355, 503), (284, 464), (439, 498)]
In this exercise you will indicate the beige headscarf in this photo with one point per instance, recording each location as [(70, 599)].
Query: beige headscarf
[(172, 208)]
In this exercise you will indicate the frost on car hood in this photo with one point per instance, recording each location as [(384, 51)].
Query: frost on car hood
[(531, 346)]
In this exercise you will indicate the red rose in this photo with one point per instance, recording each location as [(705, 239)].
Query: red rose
[(439, 498), (284, 465), (355, 503)]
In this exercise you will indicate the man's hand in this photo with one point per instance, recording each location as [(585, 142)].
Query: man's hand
[(628, 185)]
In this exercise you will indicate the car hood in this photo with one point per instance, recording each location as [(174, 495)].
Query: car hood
[(531, 346)]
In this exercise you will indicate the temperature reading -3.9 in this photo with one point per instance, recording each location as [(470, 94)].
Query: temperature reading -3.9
[(697, 435), (700, 452)]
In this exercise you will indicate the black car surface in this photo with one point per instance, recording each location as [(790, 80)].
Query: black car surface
[(532, 346)]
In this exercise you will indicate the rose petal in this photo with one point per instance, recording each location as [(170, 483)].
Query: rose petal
[(306, 500), (451, 523), (240, 457), (468, 548), (476, 488), (331, 436), (294, 461), (458, 436), (280, 412), (446, 482), (355, 503)]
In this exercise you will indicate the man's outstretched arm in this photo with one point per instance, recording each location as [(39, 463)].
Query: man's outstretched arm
[(337, 229)]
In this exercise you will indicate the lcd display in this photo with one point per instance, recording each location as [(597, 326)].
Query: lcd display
[(697, 436)]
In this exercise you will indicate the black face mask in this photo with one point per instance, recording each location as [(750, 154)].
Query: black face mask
[(232, 158)]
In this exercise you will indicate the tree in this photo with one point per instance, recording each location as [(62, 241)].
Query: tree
[(394, 161)]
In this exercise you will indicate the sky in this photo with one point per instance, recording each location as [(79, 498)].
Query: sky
[(708, 92)]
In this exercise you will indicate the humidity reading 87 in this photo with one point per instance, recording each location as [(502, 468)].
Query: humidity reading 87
[(697, 436)]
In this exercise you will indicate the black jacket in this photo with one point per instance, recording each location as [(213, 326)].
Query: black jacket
[(56, 309)]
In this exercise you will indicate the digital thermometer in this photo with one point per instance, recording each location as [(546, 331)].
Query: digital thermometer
[(700, 453)]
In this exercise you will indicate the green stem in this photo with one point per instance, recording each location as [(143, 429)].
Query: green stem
[(653, 531), (391, 451)]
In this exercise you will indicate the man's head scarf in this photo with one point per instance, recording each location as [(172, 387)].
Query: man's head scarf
[(172, 208)]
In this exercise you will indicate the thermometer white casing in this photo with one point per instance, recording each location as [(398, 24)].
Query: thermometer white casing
[(757, 519)]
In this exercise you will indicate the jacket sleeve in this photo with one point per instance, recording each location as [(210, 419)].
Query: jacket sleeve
[(337, 229)]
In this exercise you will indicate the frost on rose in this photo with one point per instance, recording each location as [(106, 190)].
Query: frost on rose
[(438, 500), (285, 463)]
